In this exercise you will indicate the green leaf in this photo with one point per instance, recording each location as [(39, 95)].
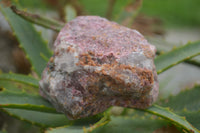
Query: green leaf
[(165, 113), (20, 78), (187, 104), (22, 96), (170, 59), (118, 125), (44, 119), (131, 125), (29, 39), (25, 101), (188, 100), (17, 86), (80, 128), (41, 119), (71, 129), (164, 46), (179, 76), (17, 95), (193, 117)]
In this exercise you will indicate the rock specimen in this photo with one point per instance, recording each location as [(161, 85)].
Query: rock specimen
[(98, 64)]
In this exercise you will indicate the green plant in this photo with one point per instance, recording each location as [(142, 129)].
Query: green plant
[(19, 95)]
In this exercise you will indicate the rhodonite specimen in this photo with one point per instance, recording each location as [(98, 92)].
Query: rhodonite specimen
[(98, 64)]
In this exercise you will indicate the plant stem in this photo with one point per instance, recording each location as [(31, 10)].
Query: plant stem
[(100, 123), (37, 19), (129, 13), (110, 9)]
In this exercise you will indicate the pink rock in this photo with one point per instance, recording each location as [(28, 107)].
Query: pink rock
[(98, 64)]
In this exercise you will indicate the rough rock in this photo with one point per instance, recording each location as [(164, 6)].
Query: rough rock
[(98, 64)]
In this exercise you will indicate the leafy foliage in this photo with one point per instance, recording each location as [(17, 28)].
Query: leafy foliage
[(19, 96), (175, 119), (45, 22), (11, 99), (20, 78), (193, 117), (29, 39), (38, 118), (176, 56), (130, 125), (18, 87), (186, 104), (186, 100)]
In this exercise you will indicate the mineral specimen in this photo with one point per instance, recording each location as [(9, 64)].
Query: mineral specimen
[(98, 64)]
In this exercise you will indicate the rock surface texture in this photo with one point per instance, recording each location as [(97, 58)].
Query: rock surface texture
[(98, 64)]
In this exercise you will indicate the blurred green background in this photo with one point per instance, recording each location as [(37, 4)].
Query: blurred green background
[(174, 13)]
